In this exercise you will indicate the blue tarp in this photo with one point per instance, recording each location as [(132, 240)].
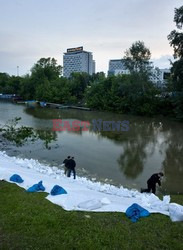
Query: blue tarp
[(42, 104), (134, 212), (16, 178), (58, 190), (36, 187)]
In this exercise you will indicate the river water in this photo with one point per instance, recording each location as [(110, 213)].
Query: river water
[(125, 158)]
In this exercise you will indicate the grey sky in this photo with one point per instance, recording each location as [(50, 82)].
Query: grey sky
[(31, 29)]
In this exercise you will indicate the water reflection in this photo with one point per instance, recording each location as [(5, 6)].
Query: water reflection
[(173, 162), (46, 136), (13, 132), (128, 158), (138, 145)]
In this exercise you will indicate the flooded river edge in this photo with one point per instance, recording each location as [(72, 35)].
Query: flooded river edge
[(126, 158)]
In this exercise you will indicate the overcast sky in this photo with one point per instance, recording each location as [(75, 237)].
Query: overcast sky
[(31, 29)]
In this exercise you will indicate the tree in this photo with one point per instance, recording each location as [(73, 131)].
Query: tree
[(137, 58), (46, 68), (27, 89), (78, 83), (176, 37), (4, 79), (176, 41), (99, 76)]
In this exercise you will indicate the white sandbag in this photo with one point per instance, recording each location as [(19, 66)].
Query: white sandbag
[(162, 205), (166, 199), (90, 204), (151, 201), (176, 212), (105, 201)]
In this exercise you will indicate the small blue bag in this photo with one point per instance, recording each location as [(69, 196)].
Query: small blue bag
[(16, 178), (58, 190), (36, 188), (135, 211)]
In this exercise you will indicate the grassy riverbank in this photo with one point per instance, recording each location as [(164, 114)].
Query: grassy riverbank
[(29, 221)]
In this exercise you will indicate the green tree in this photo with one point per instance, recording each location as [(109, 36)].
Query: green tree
[(77, 84), (27, 89), (176, 41), (46, 68), (99, 76), (176, 37), (94, 96), (14, 84), (4, 79), (137, 58)]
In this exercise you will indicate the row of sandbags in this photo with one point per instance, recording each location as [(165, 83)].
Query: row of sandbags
[(56, 190)]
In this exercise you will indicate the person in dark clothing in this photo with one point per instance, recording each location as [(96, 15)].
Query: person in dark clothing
[(151, 183), (66, 164), (71, 167)]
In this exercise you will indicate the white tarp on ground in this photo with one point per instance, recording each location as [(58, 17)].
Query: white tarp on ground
[(82, 194)]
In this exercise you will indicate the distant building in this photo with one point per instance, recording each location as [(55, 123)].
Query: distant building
[(117, 67), (78, 60), (160, 76)]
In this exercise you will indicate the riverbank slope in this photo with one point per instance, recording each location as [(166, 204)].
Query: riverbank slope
[(29, 221)]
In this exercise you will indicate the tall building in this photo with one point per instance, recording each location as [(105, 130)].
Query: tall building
[(78, 60), (116, 67)]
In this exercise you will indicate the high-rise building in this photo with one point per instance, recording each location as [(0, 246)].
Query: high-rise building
[(116, 67), (78, 60)]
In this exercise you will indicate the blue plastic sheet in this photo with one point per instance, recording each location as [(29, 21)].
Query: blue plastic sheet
[(36, 187), (56, 190), (134, 212), (16, 178)]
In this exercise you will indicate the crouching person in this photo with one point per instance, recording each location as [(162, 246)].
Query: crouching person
[(71, 167), (66, 164), (151, 183)]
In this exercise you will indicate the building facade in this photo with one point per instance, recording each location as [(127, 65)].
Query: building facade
[(117, 67), (158, 76), (78, 60)]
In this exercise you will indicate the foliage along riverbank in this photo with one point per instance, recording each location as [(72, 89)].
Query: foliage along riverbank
[(128, 94), (28, 221), (19, 135)]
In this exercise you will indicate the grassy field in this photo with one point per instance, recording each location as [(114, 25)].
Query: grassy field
[(29, 221)]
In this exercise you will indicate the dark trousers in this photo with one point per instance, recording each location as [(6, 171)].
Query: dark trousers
[(65, 170), (69, 173), (150, 186)]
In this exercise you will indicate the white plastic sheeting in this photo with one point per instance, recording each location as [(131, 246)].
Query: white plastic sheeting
[(176, 212), (83, 194)]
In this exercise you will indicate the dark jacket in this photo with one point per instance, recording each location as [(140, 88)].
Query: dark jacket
[(71, 164), (155, 178), (66, 162)]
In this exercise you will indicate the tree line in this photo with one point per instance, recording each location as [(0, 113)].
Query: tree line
[(134, 93)]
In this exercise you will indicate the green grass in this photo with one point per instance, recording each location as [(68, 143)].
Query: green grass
[(29, 221)]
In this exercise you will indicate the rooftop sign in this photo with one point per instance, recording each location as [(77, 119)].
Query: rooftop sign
[(75, 49)]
